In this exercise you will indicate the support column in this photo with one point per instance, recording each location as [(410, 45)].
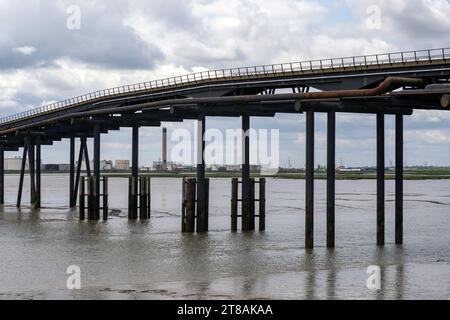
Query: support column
[(2, 175), (246, 188), (309, 183), (78, 173), (380, 179), (399, 179), (38, 173), (331, 179), (202, 219), (31, 164), (72, 173), (86, 156), (96, 191), (22, 175), (133, 210)]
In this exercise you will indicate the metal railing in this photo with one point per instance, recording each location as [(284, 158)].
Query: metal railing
[(245, 72)]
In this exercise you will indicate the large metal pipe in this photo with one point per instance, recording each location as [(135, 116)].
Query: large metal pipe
[(389, 84)]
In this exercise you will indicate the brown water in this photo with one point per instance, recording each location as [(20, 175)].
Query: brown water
[(133, 260)]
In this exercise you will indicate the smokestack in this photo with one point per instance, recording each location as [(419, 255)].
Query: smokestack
[(164, 150)]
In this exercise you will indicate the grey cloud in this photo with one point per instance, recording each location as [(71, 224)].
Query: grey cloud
[(103, 40)]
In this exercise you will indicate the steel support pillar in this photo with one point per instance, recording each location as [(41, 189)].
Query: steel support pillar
[(38, 173), (86, 156), (78, 173), (2, 175), (202, 210), (32, 172), (246, 187), (309, 183), (96, 189), (22, 175), (399, 179), (380, 179), (72, 193), (133, 214), (331, 179)]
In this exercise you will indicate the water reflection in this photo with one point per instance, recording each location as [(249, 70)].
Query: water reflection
[(135, 260)]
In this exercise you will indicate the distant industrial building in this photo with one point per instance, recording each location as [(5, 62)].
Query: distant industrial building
[(14, 164), (349, 170), (122, 165), (166, 166)]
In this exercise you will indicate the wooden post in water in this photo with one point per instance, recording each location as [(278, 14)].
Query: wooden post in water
[(252, 204), (105, 199), (380, 179), (234, 204), (132, 198), (144, 198), (183, 205), (191, 189), (90, 197), (82, 199), (262, 204), (309, 207)]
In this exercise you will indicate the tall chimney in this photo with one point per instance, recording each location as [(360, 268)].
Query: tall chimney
[(164, 150)]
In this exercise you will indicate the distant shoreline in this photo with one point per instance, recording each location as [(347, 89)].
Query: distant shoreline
[(443, 174)]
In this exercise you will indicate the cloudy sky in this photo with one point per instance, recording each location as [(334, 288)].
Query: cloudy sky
[(44, 59)]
